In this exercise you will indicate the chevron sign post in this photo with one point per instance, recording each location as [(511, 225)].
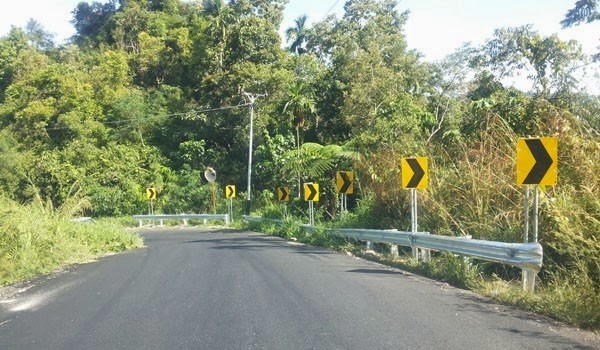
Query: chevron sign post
[(151, 194), (344, 185), (415, 175), (229, 195), (537, 165), (311, 195)]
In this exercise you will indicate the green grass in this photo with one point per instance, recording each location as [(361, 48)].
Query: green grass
[(35, 241)]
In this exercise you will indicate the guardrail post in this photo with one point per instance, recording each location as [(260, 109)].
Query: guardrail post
[(369, 245), (161, 222), (185, 222), (426, 253), (528, 280)]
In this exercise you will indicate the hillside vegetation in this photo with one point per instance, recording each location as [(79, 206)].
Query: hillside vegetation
[(150, 93)]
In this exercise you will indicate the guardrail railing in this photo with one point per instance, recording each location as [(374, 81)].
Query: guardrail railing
[(527, 256), (183, 217), (83, 219)]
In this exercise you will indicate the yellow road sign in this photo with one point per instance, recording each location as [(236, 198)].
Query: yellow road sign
[(414, 172), (344, 182), (537, 161), (230, 191), (311, 192), (283, 193), (151, 193)]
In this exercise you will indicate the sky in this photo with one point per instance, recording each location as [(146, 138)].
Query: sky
[(435, 27)]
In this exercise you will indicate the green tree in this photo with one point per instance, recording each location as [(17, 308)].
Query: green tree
[(91, 22), (550, 61), (584, 11), (11, 47), (38, 37)]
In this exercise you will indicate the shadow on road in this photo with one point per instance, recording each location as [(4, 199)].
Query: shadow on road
[(378, 271), (565, 338)]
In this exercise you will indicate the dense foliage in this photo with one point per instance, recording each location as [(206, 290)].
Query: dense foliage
[(149, 93)]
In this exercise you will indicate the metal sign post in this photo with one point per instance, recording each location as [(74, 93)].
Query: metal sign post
[(526, 215), (311, 211), (214, 198), (151, 207), (413, 218), (528, 276), (343, 203), (230, 209)]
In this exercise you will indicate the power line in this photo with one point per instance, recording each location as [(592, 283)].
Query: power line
[(331, 8), (182, 114)]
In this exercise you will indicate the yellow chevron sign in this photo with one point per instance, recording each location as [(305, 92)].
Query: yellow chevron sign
[(283, 193), (537, 161), (229, 191), (344, 182), (151, 193), (414, 172), (311, 192)]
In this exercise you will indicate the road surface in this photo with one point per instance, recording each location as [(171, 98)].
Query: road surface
[(199, 288)]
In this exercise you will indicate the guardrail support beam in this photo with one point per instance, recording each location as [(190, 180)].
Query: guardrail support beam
[(183, 217), (528, 280)]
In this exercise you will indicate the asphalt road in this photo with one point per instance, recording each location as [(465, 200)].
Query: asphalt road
[(222, 289)]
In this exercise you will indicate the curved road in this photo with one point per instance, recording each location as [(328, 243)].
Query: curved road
[(193, 288)]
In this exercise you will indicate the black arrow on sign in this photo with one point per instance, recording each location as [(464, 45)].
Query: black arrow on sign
[(418, 173), (313, 192), (543, 161), (282, 193), (347, 182), (152, 193), (230, 191)]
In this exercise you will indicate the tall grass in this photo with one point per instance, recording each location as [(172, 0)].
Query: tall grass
[(36, 239)]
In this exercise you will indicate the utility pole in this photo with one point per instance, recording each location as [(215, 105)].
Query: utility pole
[(251, 98)]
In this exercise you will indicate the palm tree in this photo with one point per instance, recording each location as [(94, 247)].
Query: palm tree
[(298, 105), (297, 35), (296, 108), (222, 16)]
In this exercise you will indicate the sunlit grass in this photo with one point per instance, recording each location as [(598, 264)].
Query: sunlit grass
[(35, 241)]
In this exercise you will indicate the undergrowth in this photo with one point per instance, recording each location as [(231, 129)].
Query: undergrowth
[(36, 239)]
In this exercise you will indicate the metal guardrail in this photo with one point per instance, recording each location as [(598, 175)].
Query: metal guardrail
[(527, 256), (184, 217), (83, 219), (261, 219)]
